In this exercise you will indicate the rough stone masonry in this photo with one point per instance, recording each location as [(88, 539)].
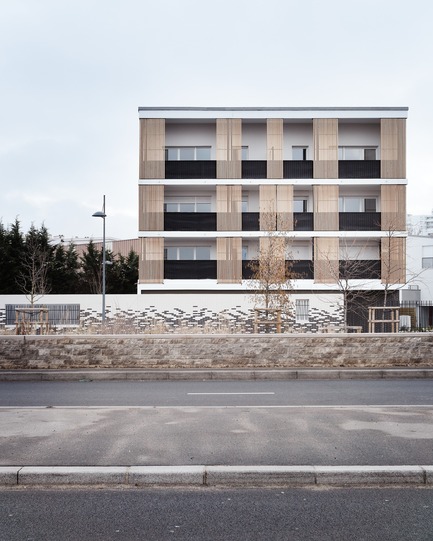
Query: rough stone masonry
[(217, 351)]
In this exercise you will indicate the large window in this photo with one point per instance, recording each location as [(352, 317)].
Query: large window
[(300, 204), (182, 253), (357, 204), (187, 153), (299, 153), (302, 310), (187, 204), (427, 257), (357, 153)]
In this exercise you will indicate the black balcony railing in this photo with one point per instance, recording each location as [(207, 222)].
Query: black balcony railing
[(190, 270), (297, 270), (254, 169), (301, 269), (360, 221), (250, 221), (359, 169), (303, 221), (189, 221), (360, 269), (298, 169), (190, 169)]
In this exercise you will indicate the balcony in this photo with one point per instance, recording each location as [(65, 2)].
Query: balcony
[(303, 221), (190, 169), (190, 269), (298, 169), (250, 221), (359, 169), (360, 269), (298, 270), (360, 221), (254, 169), (189, 221)]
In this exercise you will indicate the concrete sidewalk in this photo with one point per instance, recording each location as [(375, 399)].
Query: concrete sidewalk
[(122, 374), (217, 476)]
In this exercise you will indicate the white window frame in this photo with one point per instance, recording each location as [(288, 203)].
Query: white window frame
[(192, 200), (302, 310), (178, 248), (178, 148), (342, 150), (361, 200)]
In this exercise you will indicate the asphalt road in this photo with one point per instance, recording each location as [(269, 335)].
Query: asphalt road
[(377, 422), (205, 514)]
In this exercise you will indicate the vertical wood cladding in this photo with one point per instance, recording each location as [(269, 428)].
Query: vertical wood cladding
[(393, 207), (276, 207), (274, 148), (326, 260), (151, 208), (326, 216), (393, 147), (393, 260), (152, 148), (229, 264), (325, 140), (229, 208), (229, 147), (152, 261)]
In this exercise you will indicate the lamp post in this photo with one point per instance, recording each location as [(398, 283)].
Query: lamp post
[(101, 214)]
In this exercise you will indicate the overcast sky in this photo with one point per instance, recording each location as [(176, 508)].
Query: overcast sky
[(74, 72)]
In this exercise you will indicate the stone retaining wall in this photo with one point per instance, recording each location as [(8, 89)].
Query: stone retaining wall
[(217, 351)]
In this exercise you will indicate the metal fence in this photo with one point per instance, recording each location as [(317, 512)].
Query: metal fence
[(58, 314)]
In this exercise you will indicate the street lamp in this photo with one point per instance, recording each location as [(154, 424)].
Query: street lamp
[(101, 214)]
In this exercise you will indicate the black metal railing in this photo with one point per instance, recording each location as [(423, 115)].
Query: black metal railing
[(297, 169), (189, 221), (190, 169), (303, 221), (359, 169), (254, 169), (250, 221), (190, 269), (296, 269), (360, 269), (360, 221)]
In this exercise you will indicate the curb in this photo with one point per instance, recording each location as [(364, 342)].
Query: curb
[(216, 374), (216, 476)]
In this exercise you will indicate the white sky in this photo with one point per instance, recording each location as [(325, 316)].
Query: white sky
[(74, 72)]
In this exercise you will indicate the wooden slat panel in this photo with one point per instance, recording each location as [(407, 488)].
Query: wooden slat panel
[(393, 147), (326, 260), (151, 208), (275, 148), (393, 260), (393, 207), (268, 207), (152, 148), (325, 137), (326, 217), (229, 264), (284, 207), (229, 147), (151, 268), (229, 208)]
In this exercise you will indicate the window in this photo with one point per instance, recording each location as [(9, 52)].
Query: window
[(356, 153), (244, 252), (299, 153), (244, 155), (187, 153), (190, 253), (357, 204), (302, 309), (300, 204), (187, 204), (427, 257)]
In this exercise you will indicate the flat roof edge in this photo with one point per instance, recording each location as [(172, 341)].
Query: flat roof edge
[(164, 108)]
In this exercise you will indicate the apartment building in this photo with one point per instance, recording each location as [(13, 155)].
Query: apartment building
[(216, 182)]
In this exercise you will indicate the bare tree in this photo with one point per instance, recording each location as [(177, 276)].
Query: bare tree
[(32, 278)]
